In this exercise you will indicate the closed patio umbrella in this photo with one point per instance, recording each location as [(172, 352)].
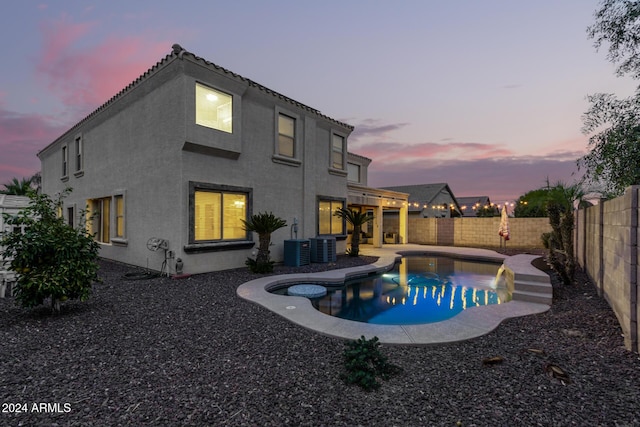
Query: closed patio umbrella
[(503, 231)]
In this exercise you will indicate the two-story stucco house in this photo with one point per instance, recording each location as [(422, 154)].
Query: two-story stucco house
[(189, 150)]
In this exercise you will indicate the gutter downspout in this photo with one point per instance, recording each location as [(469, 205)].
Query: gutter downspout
[(633, 271)]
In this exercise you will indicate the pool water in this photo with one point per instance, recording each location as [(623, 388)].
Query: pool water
[(420, 289)]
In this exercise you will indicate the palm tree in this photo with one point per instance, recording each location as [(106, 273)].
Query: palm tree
[(264, 224), (560, 204), (357, 219), (18, 188)]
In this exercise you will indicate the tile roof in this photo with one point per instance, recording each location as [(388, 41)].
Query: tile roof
[(177, 52)]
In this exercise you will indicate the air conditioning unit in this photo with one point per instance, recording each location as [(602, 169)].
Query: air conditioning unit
[(323, 249), (296, 252)]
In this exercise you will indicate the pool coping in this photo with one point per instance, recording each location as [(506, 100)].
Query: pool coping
[(470, 323)]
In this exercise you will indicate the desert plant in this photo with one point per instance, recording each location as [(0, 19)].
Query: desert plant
[(364, 363), (357, 220), (53, 260), (263, 224)]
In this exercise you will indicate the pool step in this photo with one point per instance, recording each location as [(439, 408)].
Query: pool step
[(530, 284), (532, 290)]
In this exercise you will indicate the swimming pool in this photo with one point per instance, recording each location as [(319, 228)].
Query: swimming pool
[(418, 290)]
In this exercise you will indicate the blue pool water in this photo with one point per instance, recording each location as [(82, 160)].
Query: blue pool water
[(420, 289)]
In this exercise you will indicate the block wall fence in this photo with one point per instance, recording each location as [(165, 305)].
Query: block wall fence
[(606, 247), (472, 232)]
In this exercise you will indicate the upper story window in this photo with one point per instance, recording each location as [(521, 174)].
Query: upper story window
[(214, 109), (65, 161), (286, 135), (79, 154), (337, 151), (353, 171)]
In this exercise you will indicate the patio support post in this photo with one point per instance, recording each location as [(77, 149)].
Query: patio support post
[(377, 227), (403, 232)]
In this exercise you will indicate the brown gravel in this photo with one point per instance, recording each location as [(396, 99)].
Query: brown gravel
[(165, 352)]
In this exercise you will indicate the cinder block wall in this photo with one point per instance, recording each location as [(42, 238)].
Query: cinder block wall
[(607, 239), (472, 232)]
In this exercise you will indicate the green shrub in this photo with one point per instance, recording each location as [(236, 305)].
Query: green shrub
[(364, 364), (53, 260)]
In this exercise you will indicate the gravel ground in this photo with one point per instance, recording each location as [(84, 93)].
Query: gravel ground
[(165, 352)]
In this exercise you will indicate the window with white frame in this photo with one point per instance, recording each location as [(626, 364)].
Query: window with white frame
[(353, 172), (65, 161), (79, 154), (286, 135), (214, 109), (218, 213), (337, 151), (328, 222)]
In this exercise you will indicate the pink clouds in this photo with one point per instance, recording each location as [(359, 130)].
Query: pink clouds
[(85, 75), (21, 137), (393, 152), (78, 73)]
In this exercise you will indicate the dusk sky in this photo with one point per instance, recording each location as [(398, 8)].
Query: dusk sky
[(484, 95)]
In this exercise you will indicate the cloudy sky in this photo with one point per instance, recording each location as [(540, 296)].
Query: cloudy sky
[(484, 95)]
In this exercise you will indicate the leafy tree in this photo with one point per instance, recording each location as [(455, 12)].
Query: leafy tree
[(357, 219), (487, 211), (53, 260), (614, 123), (17, 187), (532, 204), (264, 224), (617, 24)]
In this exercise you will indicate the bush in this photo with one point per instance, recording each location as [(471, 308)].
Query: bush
[(364, 364), (53, 260)]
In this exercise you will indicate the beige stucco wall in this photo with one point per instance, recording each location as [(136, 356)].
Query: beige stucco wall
[(146, 145)]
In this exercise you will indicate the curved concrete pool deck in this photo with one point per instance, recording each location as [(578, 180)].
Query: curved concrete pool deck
[(470, 323)]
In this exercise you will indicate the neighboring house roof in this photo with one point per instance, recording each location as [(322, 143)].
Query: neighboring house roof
[(179, 53), (12, 201), (364, 160), (424, 194), (467, 204)]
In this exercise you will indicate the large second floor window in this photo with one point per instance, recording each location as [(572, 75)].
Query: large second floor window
[(286, 136), (214, 109), (328, 223), (337, 151), (218, 215)]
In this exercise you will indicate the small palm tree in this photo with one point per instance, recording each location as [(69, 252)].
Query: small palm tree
[(264, 224), (18, 188), (357, 220)]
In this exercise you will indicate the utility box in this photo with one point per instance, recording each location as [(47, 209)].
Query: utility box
[(323, 249), (296, 252)]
